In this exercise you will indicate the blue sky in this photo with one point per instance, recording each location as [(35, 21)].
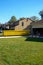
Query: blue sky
[(19, 8)]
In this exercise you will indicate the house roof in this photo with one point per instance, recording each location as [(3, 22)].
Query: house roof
[(24, 18), (38, 22), (17, 22)]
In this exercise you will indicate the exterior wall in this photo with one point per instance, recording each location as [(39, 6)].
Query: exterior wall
[(37, 26), (26, 25), (7, 27), (13, 32)]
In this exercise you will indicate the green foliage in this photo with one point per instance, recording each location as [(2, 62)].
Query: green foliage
[(41, 14), (34, 18), (13, 19)]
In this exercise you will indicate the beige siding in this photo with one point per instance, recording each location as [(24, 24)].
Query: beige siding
[(26, 24), (37, 26)]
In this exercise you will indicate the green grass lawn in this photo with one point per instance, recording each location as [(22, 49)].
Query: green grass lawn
[(20, 52)]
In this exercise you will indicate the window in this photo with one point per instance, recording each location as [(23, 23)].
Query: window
[(22, 23)]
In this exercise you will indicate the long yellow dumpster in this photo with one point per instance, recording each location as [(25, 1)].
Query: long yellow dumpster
[(14, 33)]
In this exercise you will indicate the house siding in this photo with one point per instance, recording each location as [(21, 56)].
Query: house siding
[(38, 24), (25, 26)]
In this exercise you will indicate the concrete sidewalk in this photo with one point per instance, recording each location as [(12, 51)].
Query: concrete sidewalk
[(13, 36), (21, 36), (10, 36)]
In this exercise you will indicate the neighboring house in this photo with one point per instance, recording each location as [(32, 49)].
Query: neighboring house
[(13, 25), (37, 27), (23, 24), (5, 27)]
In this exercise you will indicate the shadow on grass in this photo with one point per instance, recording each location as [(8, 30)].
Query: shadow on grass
[(34, 39)]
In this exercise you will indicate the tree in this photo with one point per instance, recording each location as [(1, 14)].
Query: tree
[(13, 19), (41, 14), (34, 18)]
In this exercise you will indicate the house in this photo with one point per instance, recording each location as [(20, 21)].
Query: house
[(20, 27), (5, 26), (23, 24), (37, 27), (14, 24)]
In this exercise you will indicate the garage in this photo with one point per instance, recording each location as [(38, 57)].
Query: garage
[(38, 31), (37, 28)]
